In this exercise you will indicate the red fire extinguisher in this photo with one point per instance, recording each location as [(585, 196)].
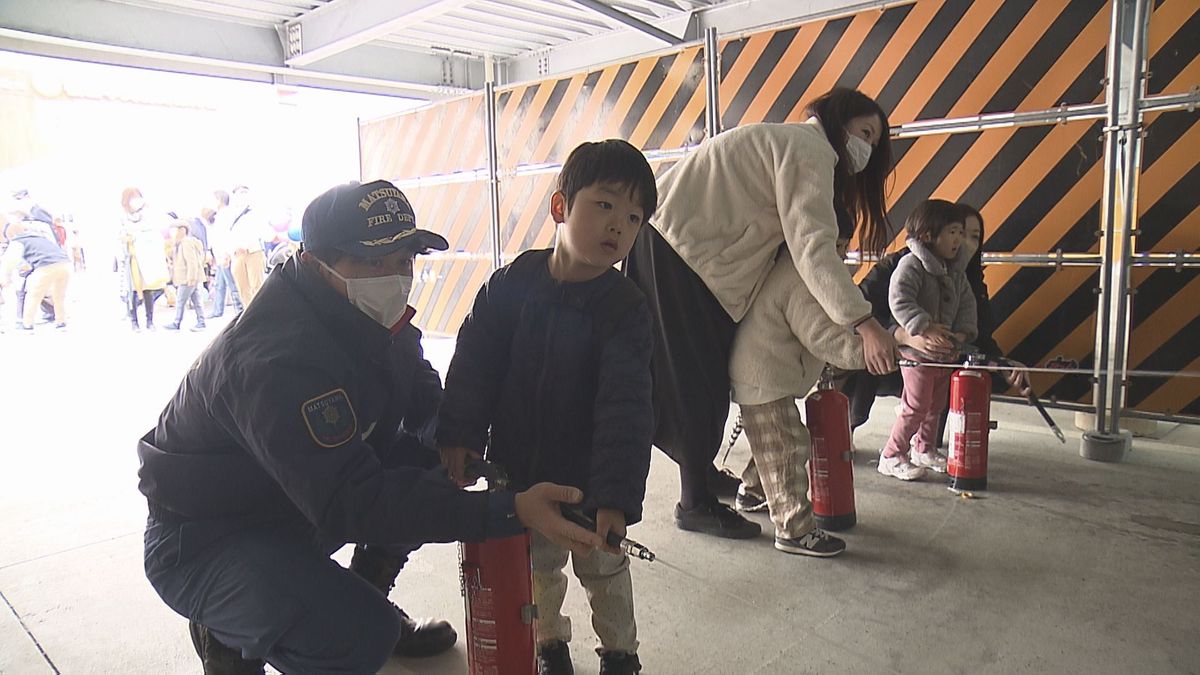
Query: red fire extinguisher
[(969, 423), (831, 467), (497, 588)]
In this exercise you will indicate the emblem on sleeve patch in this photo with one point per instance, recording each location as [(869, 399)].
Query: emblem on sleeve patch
[(330, 418)]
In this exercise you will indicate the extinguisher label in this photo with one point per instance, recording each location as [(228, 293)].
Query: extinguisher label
[(955, 429), (818, 470), (966, 442), (481, 625)]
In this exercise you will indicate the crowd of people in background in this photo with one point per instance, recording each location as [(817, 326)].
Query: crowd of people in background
[(164, 258)]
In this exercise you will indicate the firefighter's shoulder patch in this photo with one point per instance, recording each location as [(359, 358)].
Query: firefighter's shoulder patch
[(330, 418)]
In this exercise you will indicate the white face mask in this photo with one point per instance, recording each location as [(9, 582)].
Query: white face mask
[(859, 151), (384, 299)]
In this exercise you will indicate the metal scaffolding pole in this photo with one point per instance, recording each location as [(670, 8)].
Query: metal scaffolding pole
[(712, 83), (489, 107), (1177, 260), (1124, 90)]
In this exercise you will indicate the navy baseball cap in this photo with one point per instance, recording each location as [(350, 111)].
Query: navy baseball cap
[(367, 221)]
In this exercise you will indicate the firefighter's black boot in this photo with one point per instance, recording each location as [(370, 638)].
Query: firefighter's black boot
[(425, 637), (219, 659)]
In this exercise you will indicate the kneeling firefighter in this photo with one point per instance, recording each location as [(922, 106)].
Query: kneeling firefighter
[(298, 431)]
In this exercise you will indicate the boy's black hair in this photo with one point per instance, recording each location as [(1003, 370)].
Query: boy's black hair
[(930, 217), (609, 161)]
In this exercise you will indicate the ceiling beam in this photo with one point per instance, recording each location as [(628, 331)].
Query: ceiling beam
[(92, 52), (116, 33), (729, 18), (630, 21), (344, 24)]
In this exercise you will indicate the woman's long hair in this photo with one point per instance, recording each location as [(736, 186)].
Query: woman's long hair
[(862, 194)]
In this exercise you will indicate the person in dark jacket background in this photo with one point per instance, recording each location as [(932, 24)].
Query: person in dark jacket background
[(293, 434), (551, 373), (48, 276), (863, 388)]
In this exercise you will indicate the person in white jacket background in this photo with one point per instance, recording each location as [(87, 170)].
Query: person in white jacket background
[(724, 211)]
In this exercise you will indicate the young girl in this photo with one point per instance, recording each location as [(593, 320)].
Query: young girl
[(929, 296)]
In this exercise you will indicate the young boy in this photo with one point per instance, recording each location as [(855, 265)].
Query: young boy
[(779, 351), (551, 378)]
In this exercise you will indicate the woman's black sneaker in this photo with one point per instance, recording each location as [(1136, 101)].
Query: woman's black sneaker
[(554, 658), (619, 663), (716, 519), (818, 543)]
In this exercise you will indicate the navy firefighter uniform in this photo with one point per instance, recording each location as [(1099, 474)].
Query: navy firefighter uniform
[(296, 431)]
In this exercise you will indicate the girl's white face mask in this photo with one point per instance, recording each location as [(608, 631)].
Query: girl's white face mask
[(384, 299), (859, 151)]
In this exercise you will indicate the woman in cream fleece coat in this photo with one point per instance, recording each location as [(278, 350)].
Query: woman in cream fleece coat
[(724, 211)]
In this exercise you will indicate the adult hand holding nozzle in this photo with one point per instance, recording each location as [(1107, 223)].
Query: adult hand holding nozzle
[(541, 508), (613, 539)]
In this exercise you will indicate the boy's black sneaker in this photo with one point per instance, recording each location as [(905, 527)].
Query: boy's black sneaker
[(716, 519), (750, 499), (817, 543), (554, 658), (618, 663)]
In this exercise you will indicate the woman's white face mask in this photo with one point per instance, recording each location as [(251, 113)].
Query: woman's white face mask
[(384, 299), (859, 151)]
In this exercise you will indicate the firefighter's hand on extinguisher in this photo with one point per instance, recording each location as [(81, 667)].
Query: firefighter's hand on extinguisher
[(610, 520), (455, 460), (538, 509), (879, 347)]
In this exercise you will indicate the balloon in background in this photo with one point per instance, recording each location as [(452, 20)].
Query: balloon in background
[(293, 232)]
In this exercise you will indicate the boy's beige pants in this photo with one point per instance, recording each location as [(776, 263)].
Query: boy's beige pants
[(609, 587)]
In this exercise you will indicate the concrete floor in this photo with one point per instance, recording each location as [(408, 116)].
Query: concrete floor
[(1066, 566)]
